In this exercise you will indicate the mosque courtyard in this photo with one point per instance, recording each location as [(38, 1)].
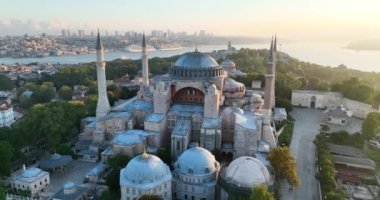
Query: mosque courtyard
[(75, 173)]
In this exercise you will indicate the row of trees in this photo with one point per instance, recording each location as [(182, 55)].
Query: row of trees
[(326, 175)]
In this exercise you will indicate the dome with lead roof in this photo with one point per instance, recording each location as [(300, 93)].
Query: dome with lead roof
[(144, 170), (196, 65), (196, 161)]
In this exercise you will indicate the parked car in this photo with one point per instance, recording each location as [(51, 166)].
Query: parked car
[(374, 144)]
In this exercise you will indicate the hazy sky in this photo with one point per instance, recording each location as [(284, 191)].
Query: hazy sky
[(340, 20)]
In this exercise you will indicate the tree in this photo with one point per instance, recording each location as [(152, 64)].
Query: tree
[(6, 156), (65, 93), (334, 196), (371, 125), (117, 163), (91, 102), (64, 149), (284, 165), (6, 83), (126, 93), (2, 193), (45, 93), (165, 155), (261, 192), (285, 83), (150, 197), (26, 101), (109, 194)]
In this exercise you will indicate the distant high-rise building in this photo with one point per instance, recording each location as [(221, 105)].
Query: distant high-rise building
[(63, 33), (81, 33), (68, 33), (116, 33)]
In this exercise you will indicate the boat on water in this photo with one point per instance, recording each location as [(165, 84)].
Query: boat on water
[(168, 47), (133, 48)]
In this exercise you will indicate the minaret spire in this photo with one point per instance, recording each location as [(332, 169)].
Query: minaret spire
[(269, 97), (99, 44), (103, 106), (144, 63), (275, 43)]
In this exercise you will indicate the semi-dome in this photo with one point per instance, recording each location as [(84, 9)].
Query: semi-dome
[(230, 85), (229, 110), (196, 161), (143, 170), (228, 64), (247, 172), (196, 65), (128, 138)]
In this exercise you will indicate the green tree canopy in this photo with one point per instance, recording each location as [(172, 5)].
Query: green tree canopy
[(65, 93), (150, 197), (371, 125), (6, 83), (284, 164), (6, 156)]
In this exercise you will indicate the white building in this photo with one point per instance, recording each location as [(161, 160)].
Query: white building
[(195, 175), (323, 100), (6, 114), (33, 179), (145, 175)]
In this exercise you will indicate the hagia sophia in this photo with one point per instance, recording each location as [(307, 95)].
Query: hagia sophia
[(195, 109)]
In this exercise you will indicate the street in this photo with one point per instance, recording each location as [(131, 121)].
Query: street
[(306, 127)]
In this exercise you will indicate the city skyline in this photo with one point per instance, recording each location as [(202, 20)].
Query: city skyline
[(301, 20)]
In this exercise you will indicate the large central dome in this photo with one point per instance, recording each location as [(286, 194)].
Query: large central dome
[(196, 60), (196, 65)]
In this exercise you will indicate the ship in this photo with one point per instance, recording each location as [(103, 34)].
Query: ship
[(136, 48), (168, 47)]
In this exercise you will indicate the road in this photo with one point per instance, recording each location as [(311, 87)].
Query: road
[(306, 127)]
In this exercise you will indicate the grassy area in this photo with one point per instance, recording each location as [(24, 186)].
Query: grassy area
[(286, 136), (375, 156)]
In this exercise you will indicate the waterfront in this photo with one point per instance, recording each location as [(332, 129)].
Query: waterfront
[(319, 53)]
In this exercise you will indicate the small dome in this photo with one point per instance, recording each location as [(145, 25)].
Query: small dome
[(68, 185), (55, 156), (264, 147), (69, 188), (31, 172), (247, 172), (230, 109), (228, 64), (196, 60), (197, 161), (145, 169), (232, 85)]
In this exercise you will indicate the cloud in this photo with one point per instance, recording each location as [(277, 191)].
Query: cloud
[(34, 27)]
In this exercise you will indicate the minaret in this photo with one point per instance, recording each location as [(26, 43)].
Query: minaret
[(269, 101), (103, 106), (145, 67)]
